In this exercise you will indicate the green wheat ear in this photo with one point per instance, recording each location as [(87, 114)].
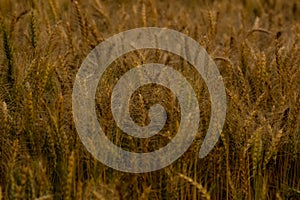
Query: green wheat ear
[(9, 56)]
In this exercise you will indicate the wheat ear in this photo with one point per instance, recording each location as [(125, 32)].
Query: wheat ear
[(199, 186)]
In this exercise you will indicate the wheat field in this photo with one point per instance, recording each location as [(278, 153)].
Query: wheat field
[(256, 46)]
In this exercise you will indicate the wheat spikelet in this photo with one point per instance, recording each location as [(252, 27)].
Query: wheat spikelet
[(134, 11), (278, 196), (146, 193), (29, 71), (212, 16), (279, 63), (29, 105), (255, 142), (32, 29), (271, 153), (241, 71), (5, 117), (202, 189), (95, 32), (81, 21), (46, 197), (223, 59), (243, 174), (144, 14), (257, 149), (70, 177), (248, 122), (259, 100), (229, 69), (51, 147), (9, 56), (11, 164), (70, 38), (44, 79), (263, 69), (235, 99), (60, 122), (98, 195), (23, 184), (295, 76), (59, 150), (100, 8), (60, 109), (225, 143), (154, 13), (53, 9), (278, 57), (13, 23), (79, 192), (31, 183), (258, 85), (31, 118), (51, 41), (61, 69)]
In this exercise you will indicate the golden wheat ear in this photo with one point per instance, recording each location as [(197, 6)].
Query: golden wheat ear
[(33, 30)]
